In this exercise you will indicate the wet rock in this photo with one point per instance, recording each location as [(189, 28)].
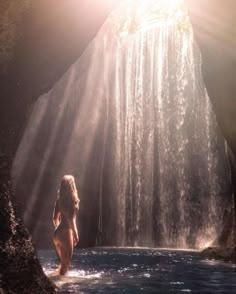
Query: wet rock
[(224, 253)]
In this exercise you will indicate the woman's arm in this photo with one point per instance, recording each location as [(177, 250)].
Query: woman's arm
[(56, 215)]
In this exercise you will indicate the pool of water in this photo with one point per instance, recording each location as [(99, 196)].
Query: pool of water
[(129, 270)]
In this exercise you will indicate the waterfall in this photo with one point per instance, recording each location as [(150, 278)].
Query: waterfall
[(167, 149), (137, 127)]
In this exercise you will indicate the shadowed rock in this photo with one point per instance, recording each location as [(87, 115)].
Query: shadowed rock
[(214, 25), (39, 40)]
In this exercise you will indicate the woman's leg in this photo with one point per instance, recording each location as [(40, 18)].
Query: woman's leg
[(57, 246), (66, 251)]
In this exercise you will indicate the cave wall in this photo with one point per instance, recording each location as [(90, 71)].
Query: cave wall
[(16, 249), (214, 25), (38, 42)]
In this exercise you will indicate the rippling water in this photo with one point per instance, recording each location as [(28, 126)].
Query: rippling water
[(125, 270)]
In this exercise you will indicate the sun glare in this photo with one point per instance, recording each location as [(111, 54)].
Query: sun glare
[(153, 13), (167, 3)]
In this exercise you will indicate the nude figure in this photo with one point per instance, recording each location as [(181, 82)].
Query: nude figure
[(64, 218)]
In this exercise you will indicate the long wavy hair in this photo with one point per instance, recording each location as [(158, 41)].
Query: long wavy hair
[(68, 199)]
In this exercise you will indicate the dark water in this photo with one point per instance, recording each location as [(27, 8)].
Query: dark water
[(125, 270)]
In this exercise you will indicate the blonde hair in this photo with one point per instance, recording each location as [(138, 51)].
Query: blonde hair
[(68, 199)]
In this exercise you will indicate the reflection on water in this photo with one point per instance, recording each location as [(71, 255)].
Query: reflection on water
[(126, 270)]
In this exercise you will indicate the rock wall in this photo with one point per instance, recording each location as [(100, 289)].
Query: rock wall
[(39, 40), (214, 25)]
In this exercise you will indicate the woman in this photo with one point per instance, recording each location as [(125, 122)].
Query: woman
[(64, 218)]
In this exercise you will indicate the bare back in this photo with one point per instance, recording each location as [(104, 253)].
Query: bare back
[(65, 236)]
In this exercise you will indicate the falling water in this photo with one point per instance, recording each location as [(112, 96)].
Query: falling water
[(161, 177), (167, 148)]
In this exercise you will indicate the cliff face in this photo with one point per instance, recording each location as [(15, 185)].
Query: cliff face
[(39, 40), (16, 249), (214, 25)]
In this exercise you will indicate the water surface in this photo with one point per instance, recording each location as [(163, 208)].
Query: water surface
[(129, 270)]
